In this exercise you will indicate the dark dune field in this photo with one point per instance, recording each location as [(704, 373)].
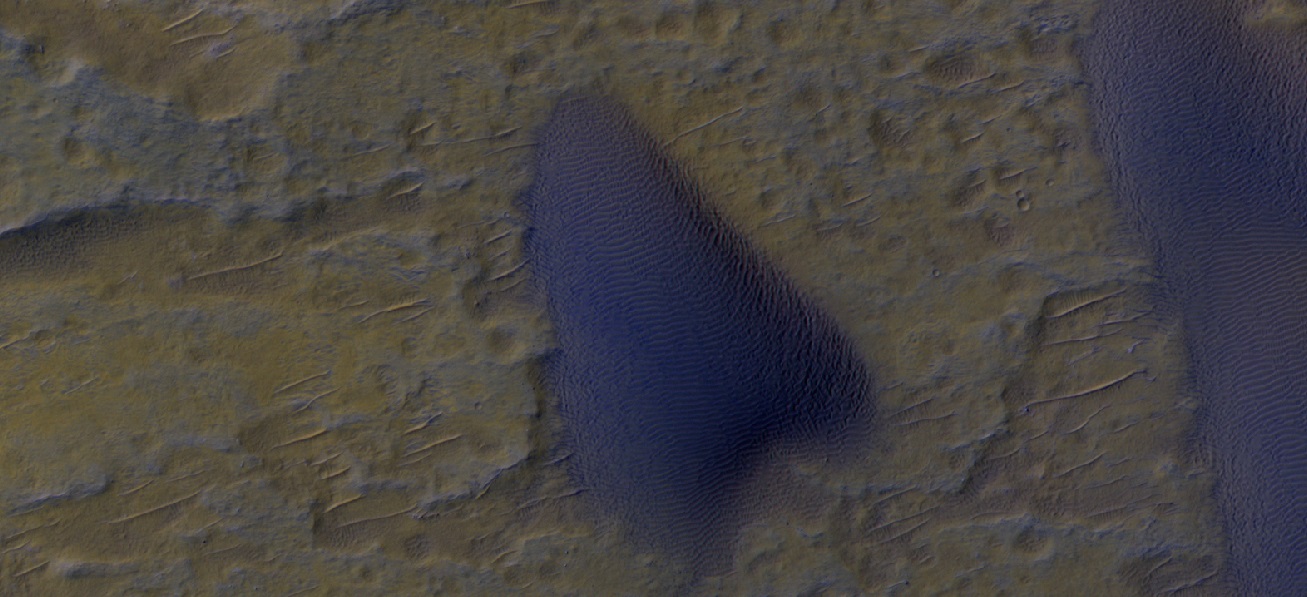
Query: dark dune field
[(684, 359), (1201, 112)]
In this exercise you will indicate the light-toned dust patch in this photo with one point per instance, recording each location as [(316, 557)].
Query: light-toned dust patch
[(217, 66), (166, 373), (1276, 13)]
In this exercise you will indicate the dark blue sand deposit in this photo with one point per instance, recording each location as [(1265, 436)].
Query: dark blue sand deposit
[(685, 361), (1201, 110)]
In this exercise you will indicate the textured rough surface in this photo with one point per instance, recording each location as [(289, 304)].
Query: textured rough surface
[(1204, 118), (266, 326)]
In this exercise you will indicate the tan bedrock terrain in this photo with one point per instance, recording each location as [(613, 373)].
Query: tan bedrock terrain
[(265, 327)]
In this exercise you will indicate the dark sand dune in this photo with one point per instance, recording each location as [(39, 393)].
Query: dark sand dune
[(684, 359), (1201, 111)]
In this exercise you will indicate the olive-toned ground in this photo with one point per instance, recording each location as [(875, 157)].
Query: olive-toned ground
[(265, 327)]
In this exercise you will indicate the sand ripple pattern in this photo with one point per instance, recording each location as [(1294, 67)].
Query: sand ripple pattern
[(1200, 108), (684, 359)]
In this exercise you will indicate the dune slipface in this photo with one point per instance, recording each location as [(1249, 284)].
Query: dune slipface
[(684, 360), (1202, 112)]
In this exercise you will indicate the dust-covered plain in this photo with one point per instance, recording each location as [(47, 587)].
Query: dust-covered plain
[(266, 328)]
